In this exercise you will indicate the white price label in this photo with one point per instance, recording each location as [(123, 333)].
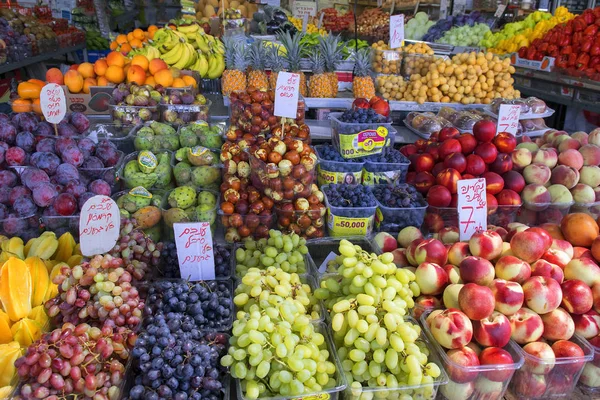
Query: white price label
[(396, 31), (508, 118), (472, 207), (99, 225), (195, 250), (286, 94), (53, 103), (500, 10)]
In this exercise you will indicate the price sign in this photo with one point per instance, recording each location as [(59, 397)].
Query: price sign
[(472, 207), (195, 250), (508, 118), (500, 10), (286, 94), (396, 31), (99, 225), (53, 103)]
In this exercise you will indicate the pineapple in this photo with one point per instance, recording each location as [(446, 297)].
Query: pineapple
[(234, 76), (362, 83), (332, 53), (294, 50), (275, 62), (257, 78), (319, 85)]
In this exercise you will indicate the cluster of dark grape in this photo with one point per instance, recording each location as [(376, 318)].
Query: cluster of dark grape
[(349, 196), (329, 153), (77, 361), (362, 116), (169, 366), (390, 156), (170, 261), (389, 160), (398, 196), (208, 304)]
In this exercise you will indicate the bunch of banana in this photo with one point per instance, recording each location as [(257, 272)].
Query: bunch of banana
[(166, 39), (210, 65), (182, 56), (150, 52)]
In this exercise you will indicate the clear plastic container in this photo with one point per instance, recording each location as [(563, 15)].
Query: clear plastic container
[(416, 64), (157, 142), (303, 269), (380, 172), (359, 140), (119, 135), (504, 215), (534, 214), (239, 227), (252, 115), (488, 381), (331, 394), (321, 249), (133, 115), (589, 381), (437, 218), (60, 224), (349, 221), (329, 171), (386, 61), (194, 213), (200, 176), (132, 183), (180, 114), (592, 209), (109, 174), (308, 224), (24, 227), (541, 378), (394, 219)]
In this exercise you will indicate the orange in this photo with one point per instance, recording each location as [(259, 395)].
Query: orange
[(126, 48), (102, 81), (138, 34), (579, 229), (140, 61), (100, 67), (136, 74), (21, 105), (178, 83), (150, 81), (152, 28), (164, 78), (87, 83), (189, 81), (36, 106), (53, 75), (38, 82), (114, 45), (86, 70), (74, 81), (28, 90), (115, 58), (115, 74), (136, 44), (130, 36), (156, 65), (121, 39)]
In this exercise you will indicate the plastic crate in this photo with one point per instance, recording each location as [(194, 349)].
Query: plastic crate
[(379, 172), (349, 171), (360, 139), (321, 249), (345, 221)]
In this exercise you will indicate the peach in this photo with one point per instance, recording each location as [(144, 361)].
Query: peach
[(423, 181), (587, 324), (542, 294), (400, 258), (424, 162), (508, 296), (531, 146), (596, 296), (494, 182), (514, 228), (475, 165), (502, 164), (476, 301), (410, 251), (476, 270), (451, 328), (494, 330), (432, 315), (492, 204), (571, 158), (385, 242), (559, 194), (508, 197), (457, 161), (536, 194), (547, 269), (584, 269), (557, 257), (527, 326), (577, 296), (590, 154), (460, 366), (408, 234), (565, 175), (583, 194), (582, 252), (513, 181), (568, 349), (541, 360), (548, 157), (487, 151), (457, 391), (486, 244), (505, 142), (448, 178), (537, 173), (594, 137), (430, 250), (553, 229), (558, 325), (458, 252), (521, 158), (590, 175), (453, 273), (425, 302), (511, 268), (431, 278), (503, 232), (580, 136), (527, 385), (529, 246), (449, 235), (500, 359), (590, 376), (439, 196), (563, 246), (567, 145), (450, 297)]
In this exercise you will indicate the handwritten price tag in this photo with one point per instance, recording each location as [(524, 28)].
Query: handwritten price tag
[(396, 31), (508, 118), (195, 250), (472, 207), (99, 225), (286, 94), (53, 103)]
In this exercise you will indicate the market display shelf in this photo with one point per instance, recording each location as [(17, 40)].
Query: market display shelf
[(42, 57), (346, 102)]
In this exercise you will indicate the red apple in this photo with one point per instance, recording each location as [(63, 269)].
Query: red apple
[(484, 130), (360, 103), (439, 196), (487, 152), (380, 106), (467, 143)]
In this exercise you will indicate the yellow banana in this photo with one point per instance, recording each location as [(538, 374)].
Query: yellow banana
[(218, 69), (192, 28), (184, 58), (202, 43), (173, 55), (203, 65), (180, 35)]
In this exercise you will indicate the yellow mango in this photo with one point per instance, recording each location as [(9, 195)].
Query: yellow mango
[(15, 288), (26, 331), (39, 280)]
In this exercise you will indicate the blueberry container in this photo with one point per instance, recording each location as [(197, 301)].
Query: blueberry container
[(480, 382), (534, 214), (394, 219), (133, 115), (222, 263), (241, 226), (360, 139), (541, 378), (24, 227), (349, 221), (377, 170), (119, 135), (325, 249), (180, 114), (337, 171), (589, 381)]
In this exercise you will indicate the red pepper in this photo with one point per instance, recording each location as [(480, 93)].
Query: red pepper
[(569, 28), (583, 60), (523, 52), (552, 48), (586, 44), (566, 50), (594, 61), (588, 16), (561, 61), (596, 12), (572, 59), (579, 24), (577, 38), (530, 52), (538, 56), (595, 49), (590, 30), (544, 47), (597, 67)]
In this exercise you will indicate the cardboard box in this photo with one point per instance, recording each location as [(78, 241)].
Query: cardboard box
[(546, 64), (94, 103)]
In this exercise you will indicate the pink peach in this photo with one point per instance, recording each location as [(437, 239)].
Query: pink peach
[(547, 269), (541, 358), (476, 301), (542, 294), (408, 234), (590, 154), (431, 278), (572, 158), (527, 326), (584, 269), (476, 270), (508, 296), (494, 330), (558, 325), (486, 244), (451, 328), (458, 252), (587, 324), (577, 296), (460, 368), (513, 269), (565, 175), (537, 173)]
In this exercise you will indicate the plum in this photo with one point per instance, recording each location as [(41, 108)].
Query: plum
[(76, 188), (8, 178), (66, 173), (65, 204), (44, 194), (66, 129), (72, 155), (4, 195), (4, 119), (107, 152), (8, 133), (83, 198), (47, 161), (24, 207), (18, 192), (26, 141), (14, 226), (44, 129), (99, 186), (62, 143), (79, 122), (2, 153), (33, 177), (28, 122), (3, 211), (93, 162), (87, 146), (45, 145), (15, 156)]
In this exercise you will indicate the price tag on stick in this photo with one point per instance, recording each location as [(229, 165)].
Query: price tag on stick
[(53, 103), (304, 22), (286, 94), (508, 118), (99, 225), (396, 31), (195, 250), (472, 207)]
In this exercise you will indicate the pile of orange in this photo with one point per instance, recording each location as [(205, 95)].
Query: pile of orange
[(29, 96), (133, 40)]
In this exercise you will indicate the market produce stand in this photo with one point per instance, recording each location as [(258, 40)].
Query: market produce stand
[(36, 65)]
